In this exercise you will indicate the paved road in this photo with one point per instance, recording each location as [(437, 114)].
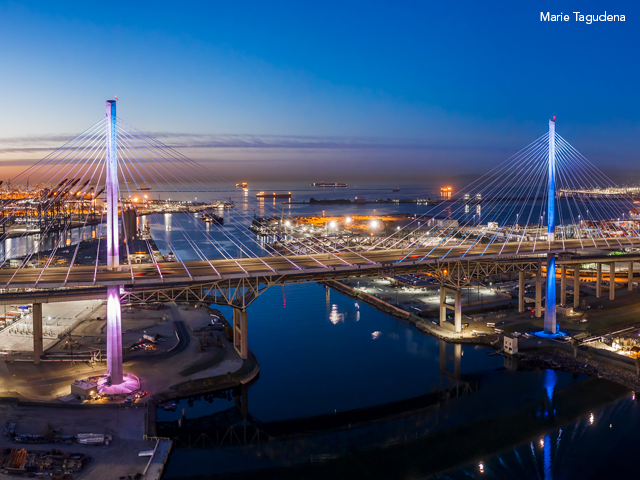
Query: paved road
[(290, 266)]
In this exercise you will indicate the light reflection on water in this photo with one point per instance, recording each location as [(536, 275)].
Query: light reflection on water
[(312, 365), (324, 356), (596, 446)]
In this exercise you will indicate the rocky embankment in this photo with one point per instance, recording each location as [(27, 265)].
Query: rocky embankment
[(561, 360)]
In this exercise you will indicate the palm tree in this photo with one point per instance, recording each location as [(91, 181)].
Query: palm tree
[(575, 344)]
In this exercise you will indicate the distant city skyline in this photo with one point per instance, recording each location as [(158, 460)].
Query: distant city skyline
[(360, 91)]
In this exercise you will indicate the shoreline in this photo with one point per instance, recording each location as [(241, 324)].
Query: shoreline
[(420, 323), (549, 355)]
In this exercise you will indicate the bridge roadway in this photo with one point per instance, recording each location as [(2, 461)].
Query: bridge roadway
[(290, 268)]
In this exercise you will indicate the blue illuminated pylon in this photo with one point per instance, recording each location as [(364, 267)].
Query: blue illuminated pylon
[(550, 302)]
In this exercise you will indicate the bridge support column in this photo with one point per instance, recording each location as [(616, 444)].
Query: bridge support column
[(458, 311), (563, 285), (630, 276), (521, 291), (240, 332), (550, 302), (598, 280), (114, 335), (37, 332), (443, 305), (576, 287), (612, 281), (539, 290), (456, 307)]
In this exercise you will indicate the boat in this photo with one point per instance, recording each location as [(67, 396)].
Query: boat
[(242, 184), (212, 218), (261, 194), (329, 185), (397, 189)]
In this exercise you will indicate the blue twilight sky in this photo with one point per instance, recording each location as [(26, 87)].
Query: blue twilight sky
[(335, 91)]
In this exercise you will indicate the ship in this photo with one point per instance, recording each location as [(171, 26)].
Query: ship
[(212, 218), (329, 185), (397, 189), (242, 184), (261, 194)]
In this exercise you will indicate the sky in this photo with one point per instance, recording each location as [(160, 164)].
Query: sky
[(403, 92)]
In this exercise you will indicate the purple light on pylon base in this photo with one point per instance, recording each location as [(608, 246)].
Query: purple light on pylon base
[(114, 335)]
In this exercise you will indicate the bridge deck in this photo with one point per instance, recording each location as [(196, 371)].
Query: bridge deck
[(290, 266)]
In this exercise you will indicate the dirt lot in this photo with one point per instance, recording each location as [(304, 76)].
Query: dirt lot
[(108, 462)]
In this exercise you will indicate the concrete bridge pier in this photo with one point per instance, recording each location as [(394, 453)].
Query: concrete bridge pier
[(576, 287), (456, 307), (630, 276), (539, 290), (598, 280), (240, 332), (37, 333), (563, 285), (521, 291), (443, 305), (612, 281)]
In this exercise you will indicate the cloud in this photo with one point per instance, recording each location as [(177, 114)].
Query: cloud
[(46, 143), (187, 140)]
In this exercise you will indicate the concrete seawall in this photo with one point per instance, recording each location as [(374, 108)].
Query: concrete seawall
[(420, 323)]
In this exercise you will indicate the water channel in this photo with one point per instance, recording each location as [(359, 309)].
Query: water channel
[(320, 358)]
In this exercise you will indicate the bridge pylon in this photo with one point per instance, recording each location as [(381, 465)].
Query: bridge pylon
[(550, 301), (114, 310)]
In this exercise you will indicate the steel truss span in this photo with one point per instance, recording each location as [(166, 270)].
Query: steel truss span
[(241, 292)]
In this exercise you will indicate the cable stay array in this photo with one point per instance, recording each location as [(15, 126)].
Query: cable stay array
[(59, 219), (508, 206), (67, 194)]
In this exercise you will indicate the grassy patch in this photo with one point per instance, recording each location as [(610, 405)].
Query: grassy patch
[(217, 381)]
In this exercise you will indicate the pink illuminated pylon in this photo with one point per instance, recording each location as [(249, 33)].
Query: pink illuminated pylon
[(114, 335), (114, 322)]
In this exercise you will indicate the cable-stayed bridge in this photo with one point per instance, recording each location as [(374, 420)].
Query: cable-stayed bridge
[(545, 204)]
